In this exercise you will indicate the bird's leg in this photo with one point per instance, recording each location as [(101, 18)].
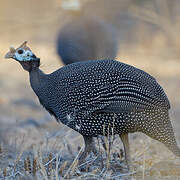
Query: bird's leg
[(89, 147), (94, 149), (125, 140)]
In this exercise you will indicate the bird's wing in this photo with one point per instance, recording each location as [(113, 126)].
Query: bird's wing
[(124, 96)]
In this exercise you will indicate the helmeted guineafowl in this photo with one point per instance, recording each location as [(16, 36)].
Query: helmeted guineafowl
[(100, 97), (86, 38)]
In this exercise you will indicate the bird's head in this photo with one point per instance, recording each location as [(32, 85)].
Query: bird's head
[(24, 56)]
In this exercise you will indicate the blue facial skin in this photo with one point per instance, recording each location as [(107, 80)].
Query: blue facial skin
[(24, 55)]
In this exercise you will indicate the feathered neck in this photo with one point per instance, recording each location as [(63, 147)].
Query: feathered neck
[(36, 79)]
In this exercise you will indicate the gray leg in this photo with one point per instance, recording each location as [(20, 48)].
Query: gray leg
[(125, 140), (94, 149), (89, 147)]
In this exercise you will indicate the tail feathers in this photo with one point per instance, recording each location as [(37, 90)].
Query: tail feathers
[(159, 127)]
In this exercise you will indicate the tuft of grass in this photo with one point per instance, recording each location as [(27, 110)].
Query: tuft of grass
[(5, 172), (74, 164), (27, 165), (35, 167), (50, 157), (62, 167)]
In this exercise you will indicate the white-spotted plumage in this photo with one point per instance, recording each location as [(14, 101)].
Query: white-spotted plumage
[(102, 97), (94, 91)]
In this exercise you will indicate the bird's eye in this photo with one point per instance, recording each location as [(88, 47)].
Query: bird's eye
[(20, 51)]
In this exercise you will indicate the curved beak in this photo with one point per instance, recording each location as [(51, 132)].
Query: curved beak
[(8, 55)]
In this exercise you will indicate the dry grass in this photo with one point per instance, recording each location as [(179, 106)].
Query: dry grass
[(109, 164), (46, 151)]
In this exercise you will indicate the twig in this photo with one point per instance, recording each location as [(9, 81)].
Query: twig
[(121, 175), (43, 170), (103, 170), (144, 163), (89, 175), (12, 175), (92, 160), (57, 165), (50, 161), (67, 172)]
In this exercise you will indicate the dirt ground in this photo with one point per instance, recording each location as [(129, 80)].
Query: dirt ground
[(148, 39)]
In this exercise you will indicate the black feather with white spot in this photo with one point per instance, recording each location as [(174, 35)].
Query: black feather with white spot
[(98, 96)]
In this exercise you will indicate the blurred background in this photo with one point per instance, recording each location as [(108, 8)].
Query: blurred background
[(148, 38)]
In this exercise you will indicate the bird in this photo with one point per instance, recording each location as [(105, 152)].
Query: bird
[(101, 97), (86, 38)]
